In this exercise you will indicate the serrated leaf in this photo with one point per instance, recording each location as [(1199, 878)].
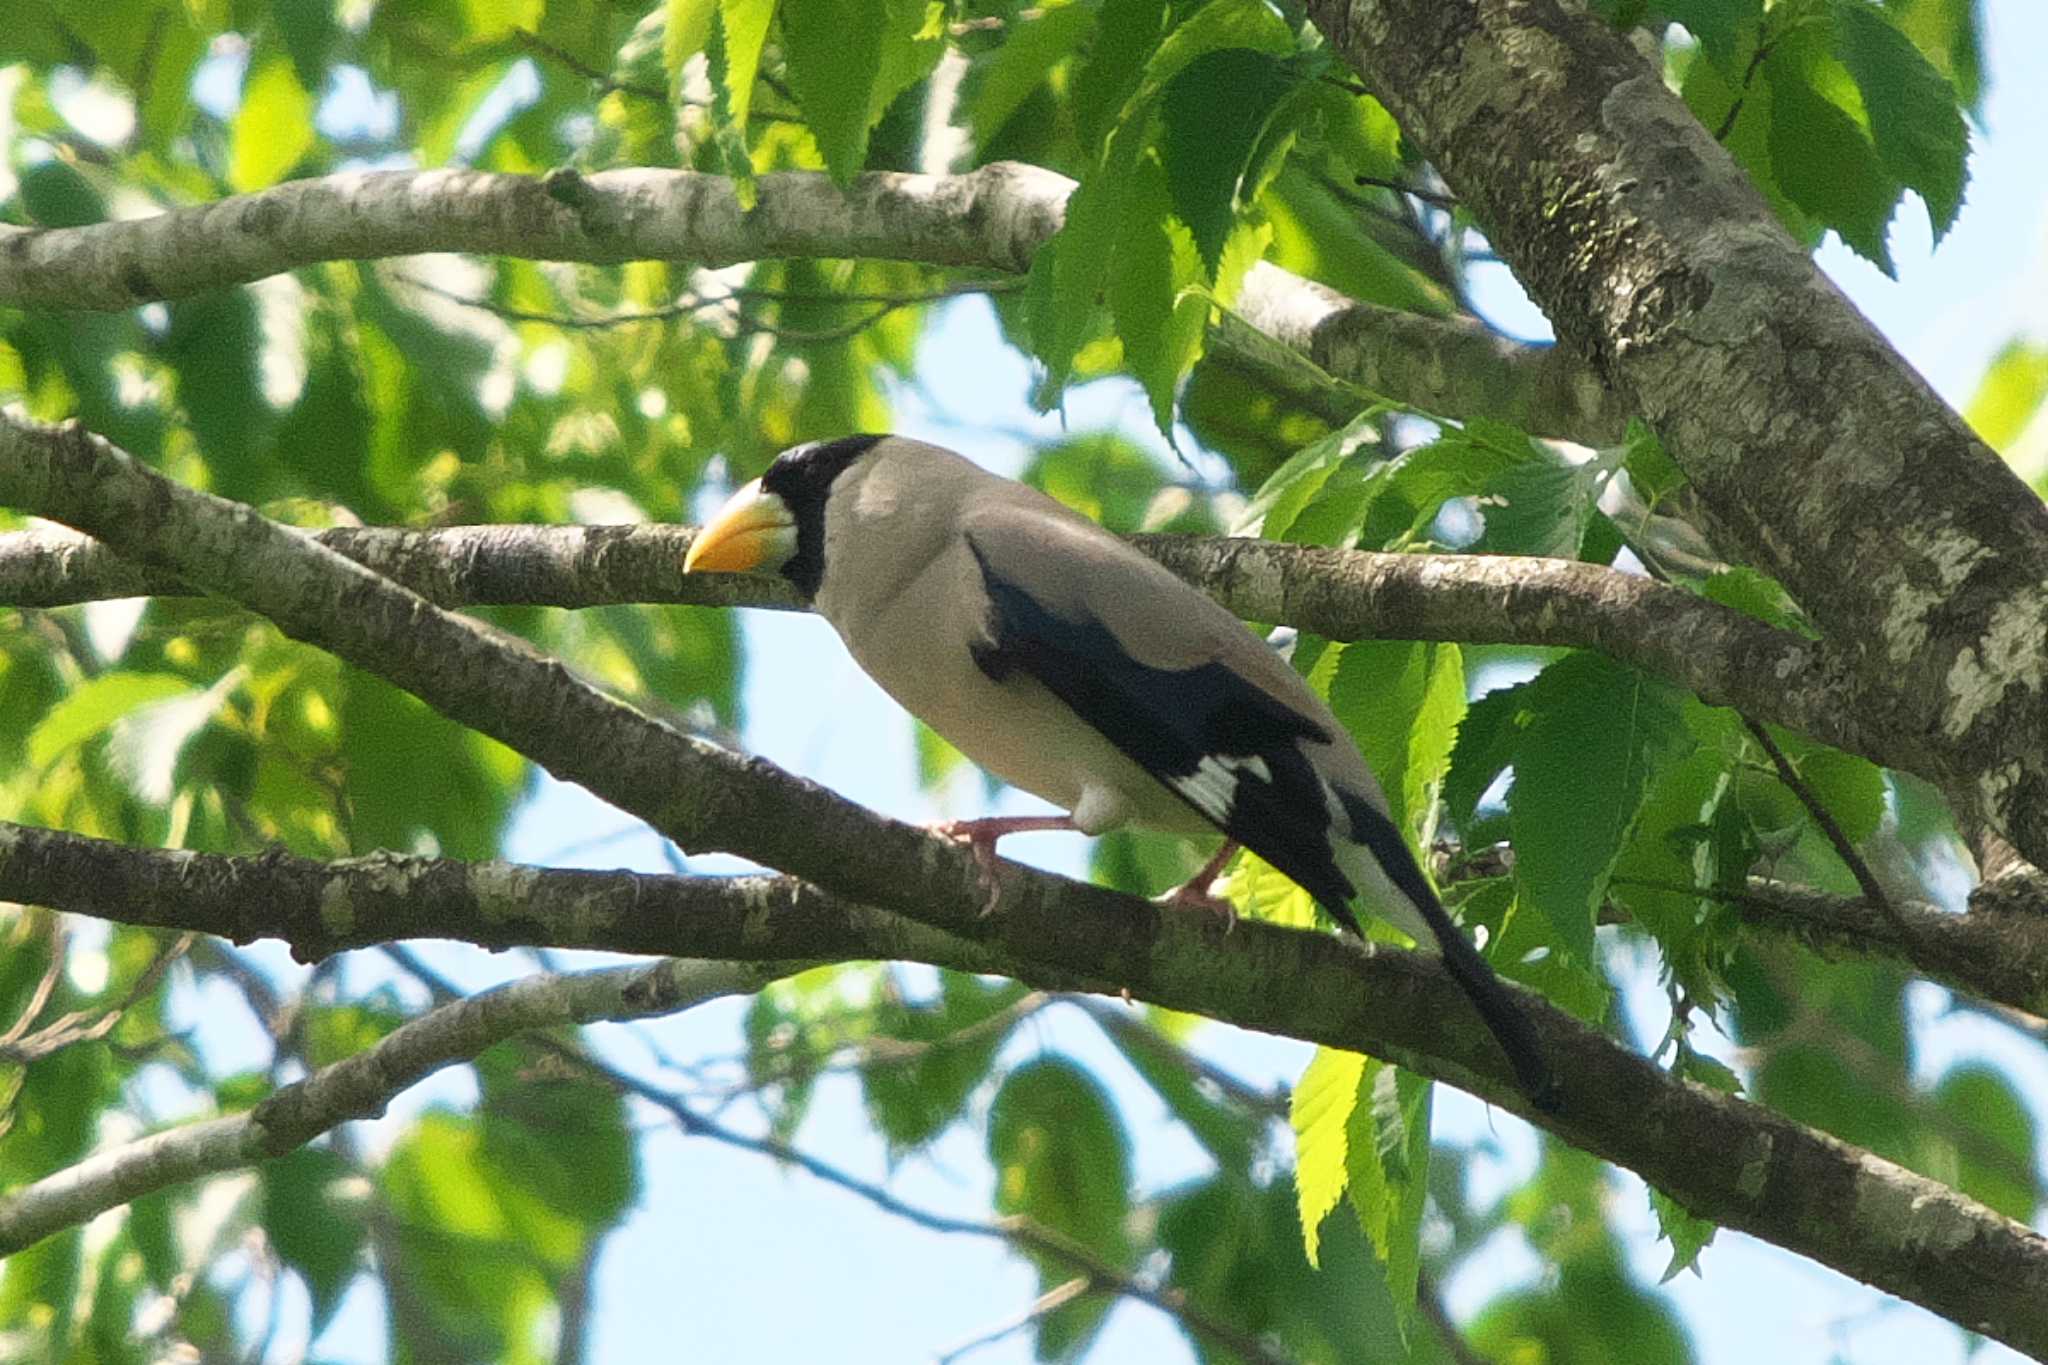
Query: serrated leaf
[(742, 33), (1918, 130), (1280, 500), (1387, 1162), (1688, 1233), (1825, 164), (1212, 116), (1402, 703), (94, 705), (687, 28), (1320, 1113), (1005, 78), (1596, 735), (272, 130), (837, 51), (1151, 292), (1126, 32), (1487, 737), (1753, 594), (1541, 506), (1654, 473)]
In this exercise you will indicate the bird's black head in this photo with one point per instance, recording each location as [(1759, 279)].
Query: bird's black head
[(802, 478)]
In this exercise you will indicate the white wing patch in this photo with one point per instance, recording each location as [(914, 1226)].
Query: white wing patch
[(1212, 787)]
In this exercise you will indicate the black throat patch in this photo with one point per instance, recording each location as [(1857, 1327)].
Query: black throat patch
[(802, 477)]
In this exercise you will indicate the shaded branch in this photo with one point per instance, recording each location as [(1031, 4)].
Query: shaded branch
[(994, 217), (1719, 654), (1739, 1164), (360, 1086)]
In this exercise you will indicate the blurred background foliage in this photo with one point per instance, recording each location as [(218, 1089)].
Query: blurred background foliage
[(438, 390)]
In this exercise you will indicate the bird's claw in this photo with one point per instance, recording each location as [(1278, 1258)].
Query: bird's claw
[(1192, 897)]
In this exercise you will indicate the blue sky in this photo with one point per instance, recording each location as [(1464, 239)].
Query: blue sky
[(729, 1258)]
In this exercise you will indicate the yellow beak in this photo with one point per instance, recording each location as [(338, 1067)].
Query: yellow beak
[(754, 530)]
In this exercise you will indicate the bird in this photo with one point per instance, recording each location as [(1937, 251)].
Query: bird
[(1070, 665)]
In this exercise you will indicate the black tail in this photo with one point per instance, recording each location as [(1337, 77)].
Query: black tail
[(1504, 1018)]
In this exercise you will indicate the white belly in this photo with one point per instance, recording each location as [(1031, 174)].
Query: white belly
[(1015, 729)]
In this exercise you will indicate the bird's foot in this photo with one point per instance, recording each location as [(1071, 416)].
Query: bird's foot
[(1194, 893), (981, 835)]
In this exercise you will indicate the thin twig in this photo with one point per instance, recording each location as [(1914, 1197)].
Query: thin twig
[(1866, 880), (1434, 198), (604, 80), (1059, 1296)]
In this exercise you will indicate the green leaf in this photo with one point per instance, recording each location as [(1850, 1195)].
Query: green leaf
[(1213, 114), (685, 32), (314, 1229), (1153, 292), (556, 1148), (834, 49), (1320, 1113), (1541, 506), (1126, 32), (1215, 26), (1597, 734), (1654, 473), (57, 195), (2010, 395), (1688, 1233), (1825, 163), (1402, 703), (94, 705), (1849, 788), (1486, 742), (1031, 48), (1986, 1142), (1918, 130), (1062, 1160), (743, 32), (1752, 594), (1279, 501), (272, 130), (1387, 1161), (1716, 24), (915, 1097)]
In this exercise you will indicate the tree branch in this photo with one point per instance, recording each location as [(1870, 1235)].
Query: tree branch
[(1739, 1164), (995, 218), (1721, 655), (1902, 535), (361, 1086)]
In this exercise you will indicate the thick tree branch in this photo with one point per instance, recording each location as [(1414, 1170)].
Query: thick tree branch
[(1721, 655), (1739, 1164), (360, 1086), (994, 218), (1814, 447)]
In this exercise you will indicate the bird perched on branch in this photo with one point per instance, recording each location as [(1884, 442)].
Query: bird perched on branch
[(1070, 665)]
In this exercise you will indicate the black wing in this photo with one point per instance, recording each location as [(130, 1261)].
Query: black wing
[(1221, 744)]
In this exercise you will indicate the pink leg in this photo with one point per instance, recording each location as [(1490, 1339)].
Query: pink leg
[(981, 835), (1194, 892)]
